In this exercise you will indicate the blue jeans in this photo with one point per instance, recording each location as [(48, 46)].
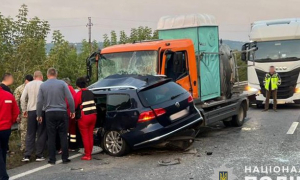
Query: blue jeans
[(4, 137)]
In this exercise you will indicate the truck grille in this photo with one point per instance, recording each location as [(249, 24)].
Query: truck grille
[(288, 83)]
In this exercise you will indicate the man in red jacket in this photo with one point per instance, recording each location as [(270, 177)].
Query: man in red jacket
[(9, 113)]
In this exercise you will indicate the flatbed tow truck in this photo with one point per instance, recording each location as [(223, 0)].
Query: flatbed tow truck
[(190, 53)]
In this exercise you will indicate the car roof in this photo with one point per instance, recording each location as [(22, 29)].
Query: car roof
[(128, 81)]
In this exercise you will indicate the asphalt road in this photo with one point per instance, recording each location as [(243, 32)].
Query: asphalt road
[(262, 141)]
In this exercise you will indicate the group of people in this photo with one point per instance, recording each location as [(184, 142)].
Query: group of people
[(45, 112)]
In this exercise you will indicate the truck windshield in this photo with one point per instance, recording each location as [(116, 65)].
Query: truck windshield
[(135, 62), (285, 50)]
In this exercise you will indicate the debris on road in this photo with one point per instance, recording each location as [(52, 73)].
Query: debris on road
[(76, 169), (208, 153), (191, 151), (97, 158), (169, 163), (96, 150)]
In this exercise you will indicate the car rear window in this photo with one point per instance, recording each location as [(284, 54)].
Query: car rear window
[(161, 93)]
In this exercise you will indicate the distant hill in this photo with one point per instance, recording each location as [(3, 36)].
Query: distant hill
[(77, 45), (236, 45)]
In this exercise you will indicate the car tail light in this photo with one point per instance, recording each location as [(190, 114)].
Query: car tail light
[(190, 99), (159, 111), (149, 115)]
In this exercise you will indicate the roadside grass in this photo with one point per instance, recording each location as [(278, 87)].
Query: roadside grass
[(14, 160)]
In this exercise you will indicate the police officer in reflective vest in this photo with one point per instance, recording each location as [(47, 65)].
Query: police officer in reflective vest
[(271, 82)]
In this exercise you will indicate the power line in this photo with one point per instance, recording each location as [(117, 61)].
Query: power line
[(53, 19), (134, 20), (68, 26)]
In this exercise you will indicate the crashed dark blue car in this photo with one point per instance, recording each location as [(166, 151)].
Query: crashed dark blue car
[(140, 111)]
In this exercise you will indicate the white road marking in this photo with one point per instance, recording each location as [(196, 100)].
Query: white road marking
[(293, 128), (40, 168)]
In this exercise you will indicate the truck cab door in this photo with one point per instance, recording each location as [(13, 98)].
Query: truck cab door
[(175, 66)]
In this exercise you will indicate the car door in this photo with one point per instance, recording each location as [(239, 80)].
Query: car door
[(176, 68), (119, 115)]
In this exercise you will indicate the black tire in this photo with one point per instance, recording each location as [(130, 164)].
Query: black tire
[(225, 72), (113, 144), (238, 120), (227, 123), (259, 105)]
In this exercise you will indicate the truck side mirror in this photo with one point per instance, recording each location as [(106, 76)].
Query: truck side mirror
[(168, 51), (178, 62), (244, 54)]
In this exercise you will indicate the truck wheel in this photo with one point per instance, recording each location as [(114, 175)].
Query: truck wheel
[(259, 105), (114, 144), (238, 120)]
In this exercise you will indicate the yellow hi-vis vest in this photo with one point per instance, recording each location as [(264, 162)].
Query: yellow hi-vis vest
[(274, 79)]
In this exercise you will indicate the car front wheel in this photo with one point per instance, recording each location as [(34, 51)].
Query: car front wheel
[(114, 144)]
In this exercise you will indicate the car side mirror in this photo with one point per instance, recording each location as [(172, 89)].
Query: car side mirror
[(178, 62)]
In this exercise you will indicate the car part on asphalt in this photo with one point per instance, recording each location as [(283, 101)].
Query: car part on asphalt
[(209, 153), (169, 163)]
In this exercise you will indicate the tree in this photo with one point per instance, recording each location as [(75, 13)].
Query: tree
[(133, 35), (147, 33), (22, 47), (123, 37), (113, 38), (106, 41), (243, 70), (155, 35)]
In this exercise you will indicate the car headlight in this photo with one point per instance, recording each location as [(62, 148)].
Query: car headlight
[(297, 90)]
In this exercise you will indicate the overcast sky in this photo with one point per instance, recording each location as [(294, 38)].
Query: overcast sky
[(70, 16)]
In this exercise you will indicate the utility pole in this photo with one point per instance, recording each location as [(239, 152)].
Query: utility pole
[(89, 25)]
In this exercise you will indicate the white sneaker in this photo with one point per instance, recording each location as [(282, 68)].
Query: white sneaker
[(25, 159), (39, 159)]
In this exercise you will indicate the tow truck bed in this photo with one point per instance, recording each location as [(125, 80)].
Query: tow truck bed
[(219, 110)]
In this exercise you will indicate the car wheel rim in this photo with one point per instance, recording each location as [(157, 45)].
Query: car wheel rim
[(113, 142)]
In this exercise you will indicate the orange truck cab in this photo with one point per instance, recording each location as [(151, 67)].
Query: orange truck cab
[(154, 58), (189, 53)]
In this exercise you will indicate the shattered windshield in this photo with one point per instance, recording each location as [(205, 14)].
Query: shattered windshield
[(135, 62)]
